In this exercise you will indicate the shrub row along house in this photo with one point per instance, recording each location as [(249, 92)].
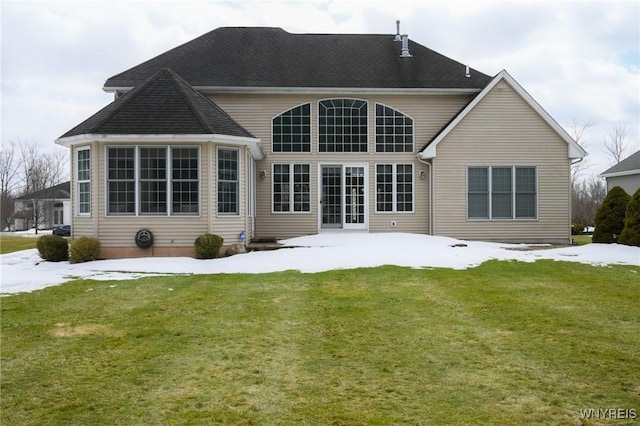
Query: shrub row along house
[(257, 132)]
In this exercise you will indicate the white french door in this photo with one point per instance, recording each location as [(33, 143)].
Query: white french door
[(343, 199)]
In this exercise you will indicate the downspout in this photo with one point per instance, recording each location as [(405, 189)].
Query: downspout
[(430, 193)]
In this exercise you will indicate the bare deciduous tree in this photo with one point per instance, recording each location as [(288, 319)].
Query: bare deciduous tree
[(586, 197), (616, 145), (38, 171), (9, 181)]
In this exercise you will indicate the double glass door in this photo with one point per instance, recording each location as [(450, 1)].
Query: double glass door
[(344, 197)]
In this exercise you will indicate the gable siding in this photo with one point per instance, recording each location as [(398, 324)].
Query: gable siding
[(503, 130), (255, 113)]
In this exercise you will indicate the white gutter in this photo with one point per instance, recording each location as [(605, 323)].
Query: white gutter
[(253, 144)]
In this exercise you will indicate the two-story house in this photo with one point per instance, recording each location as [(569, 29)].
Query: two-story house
[(257, 132)]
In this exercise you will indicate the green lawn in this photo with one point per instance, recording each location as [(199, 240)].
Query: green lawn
[(580, 240), (9, 244), (504, 343)]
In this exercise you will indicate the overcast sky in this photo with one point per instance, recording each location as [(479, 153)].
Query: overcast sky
[(579, 60)]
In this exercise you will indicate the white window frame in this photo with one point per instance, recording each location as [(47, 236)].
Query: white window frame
[(237, 182), (80, 182), (375, 130), (137, 180), (394, 183), (291, 188), (513, 194), (310, 129)]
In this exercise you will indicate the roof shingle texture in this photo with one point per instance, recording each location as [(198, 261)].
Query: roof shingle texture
[(61, 191), (271, 57), (632, 162), (163, 104)]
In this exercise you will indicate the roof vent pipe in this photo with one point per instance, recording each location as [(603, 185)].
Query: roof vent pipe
[(405, 47), (398, 37), (466, 72)]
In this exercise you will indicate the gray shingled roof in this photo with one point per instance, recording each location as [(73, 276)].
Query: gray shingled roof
[(271, 57), (629, 164), (162, 105), (61, 191)]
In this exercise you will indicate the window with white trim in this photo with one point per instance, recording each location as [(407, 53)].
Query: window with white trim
[(228, 181), (291, 130), (394, 188), (146, 180), (394, 130), (342, 125), (502, 192), (291, 188), (84, 180)]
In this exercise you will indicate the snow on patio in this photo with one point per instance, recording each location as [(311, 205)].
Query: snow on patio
[(26, 271)]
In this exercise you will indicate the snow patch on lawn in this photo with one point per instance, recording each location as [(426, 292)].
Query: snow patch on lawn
[(26, 271)]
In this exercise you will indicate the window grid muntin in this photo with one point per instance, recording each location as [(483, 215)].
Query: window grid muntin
[(84, 181), (185, 180), (501, 193), (342, 125), (228, 183), (291, 130), (291, 188), (153, 180), (394, 188), (523, 194), (394, 130), (121, 180), (153, 187)]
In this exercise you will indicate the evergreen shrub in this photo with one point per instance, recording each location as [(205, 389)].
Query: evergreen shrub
[(630, 234), (208, 246), (610, 216), (53, 248), (84, 249)]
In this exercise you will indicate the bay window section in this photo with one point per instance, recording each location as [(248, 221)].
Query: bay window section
[(84, 181), (185, 197), (145, 181), (121, 181), (153, 181), (228, 184), (502, 192)]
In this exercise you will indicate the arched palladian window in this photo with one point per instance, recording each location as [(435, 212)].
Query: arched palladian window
[(342, 125), (394, 130), (291, 130)]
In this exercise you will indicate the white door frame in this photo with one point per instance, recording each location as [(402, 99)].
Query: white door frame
[(344, 225)]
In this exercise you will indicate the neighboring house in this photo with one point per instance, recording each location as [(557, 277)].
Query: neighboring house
[(49, 207), (257, 132), (625, 174)]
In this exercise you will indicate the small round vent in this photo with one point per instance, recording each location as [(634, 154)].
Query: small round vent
[(144, 238)]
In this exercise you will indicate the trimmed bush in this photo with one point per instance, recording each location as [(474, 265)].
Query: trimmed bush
[(208, 246), (84, 249), (630, 234), (53, 248), (577, 228), (610, 216)]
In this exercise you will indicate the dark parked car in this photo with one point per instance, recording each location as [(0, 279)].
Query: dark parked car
[(64, 230)]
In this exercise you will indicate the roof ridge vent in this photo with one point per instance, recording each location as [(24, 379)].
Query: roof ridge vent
[(405, 47), (398, 37)]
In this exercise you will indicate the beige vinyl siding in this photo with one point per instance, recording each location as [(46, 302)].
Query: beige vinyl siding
[(629, 183), (503, 130), (255, 113)]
